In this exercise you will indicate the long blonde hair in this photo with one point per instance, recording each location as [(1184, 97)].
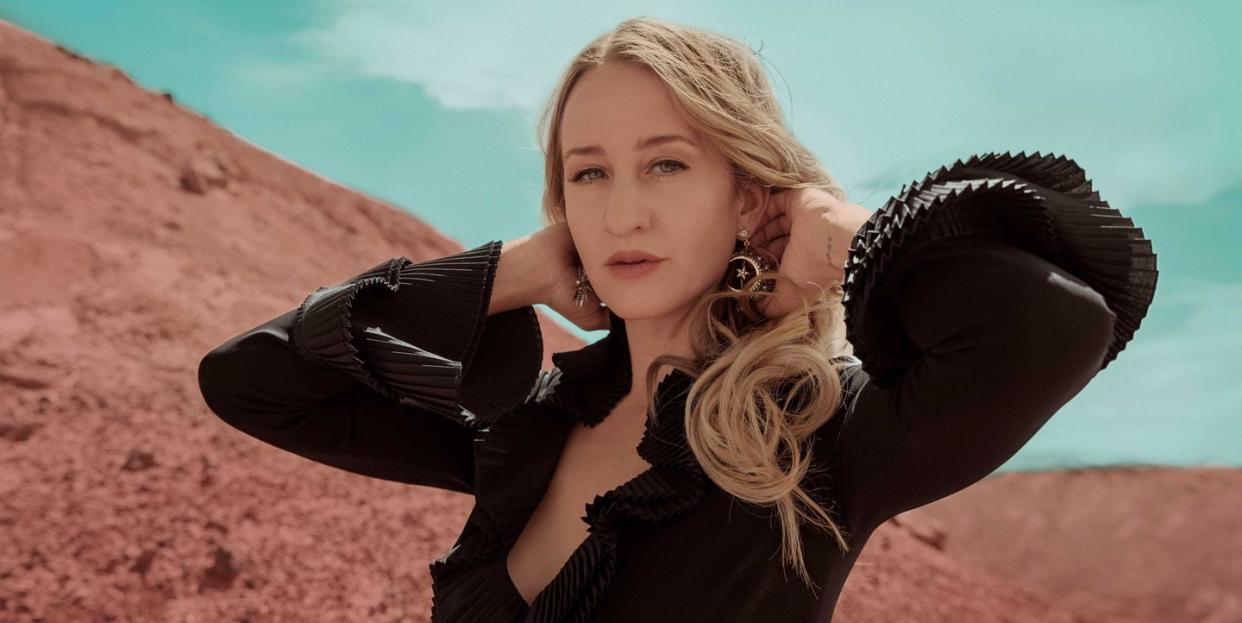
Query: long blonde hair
[(762, 387)]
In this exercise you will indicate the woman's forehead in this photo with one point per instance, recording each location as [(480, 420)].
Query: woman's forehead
[(626, 102)]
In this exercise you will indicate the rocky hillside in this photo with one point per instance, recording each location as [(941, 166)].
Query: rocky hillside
[(135, 235)]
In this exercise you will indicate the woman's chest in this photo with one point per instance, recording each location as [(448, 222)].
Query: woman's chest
[(717, 562), (592, 462)]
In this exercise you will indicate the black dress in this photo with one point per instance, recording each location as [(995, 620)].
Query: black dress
[(979, 301)]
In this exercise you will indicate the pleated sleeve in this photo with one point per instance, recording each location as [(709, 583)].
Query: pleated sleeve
[(388, 373), (978, 302)]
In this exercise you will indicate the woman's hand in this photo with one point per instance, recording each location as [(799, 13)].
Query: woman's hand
[(810, 231), (551, 256)]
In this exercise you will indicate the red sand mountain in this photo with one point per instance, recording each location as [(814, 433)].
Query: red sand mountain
[(135, 235)]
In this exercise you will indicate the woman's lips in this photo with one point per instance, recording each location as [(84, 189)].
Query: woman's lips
[(631, 271)]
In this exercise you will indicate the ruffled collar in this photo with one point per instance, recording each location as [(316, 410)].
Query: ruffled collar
[(598, 376), (515, 462)]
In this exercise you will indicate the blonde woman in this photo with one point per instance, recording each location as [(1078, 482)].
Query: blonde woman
[(784, 370)]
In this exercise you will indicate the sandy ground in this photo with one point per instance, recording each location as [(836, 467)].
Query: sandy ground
[(135, 235)]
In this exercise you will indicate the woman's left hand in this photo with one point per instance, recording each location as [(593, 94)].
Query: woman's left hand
[(809, 231)]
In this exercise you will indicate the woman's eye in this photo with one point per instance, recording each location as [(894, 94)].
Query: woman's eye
[(578, 177), (678, 166)]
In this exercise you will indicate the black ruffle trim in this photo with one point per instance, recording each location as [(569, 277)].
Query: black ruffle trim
[(424, 338), (673, 485), (516, 460), (1042, 204)]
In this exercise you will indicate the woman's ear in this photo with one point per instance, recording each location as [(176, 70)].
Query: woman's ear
[(753, 204)]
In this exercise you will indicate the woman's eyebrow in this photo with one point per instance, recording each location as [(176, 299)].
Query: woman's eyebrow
[(646, 143)]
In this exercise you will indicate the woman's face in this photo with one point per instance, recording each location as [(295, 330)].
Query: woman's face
[(671, 198)]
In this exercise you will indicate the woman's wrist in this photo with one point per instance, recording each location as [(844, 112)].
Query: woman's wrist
[(847, 219), (513, 285)]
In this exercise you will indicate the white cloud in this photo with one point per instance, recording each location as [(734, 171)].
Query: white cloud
[(282, 74), (878, 91), (469, 56)]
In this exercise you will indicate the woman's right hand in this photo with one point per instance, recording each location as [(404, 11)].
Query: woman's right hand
[(549, 262)]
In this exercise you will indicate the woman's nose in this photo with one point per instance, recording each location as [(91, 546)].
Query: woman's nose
[(627, 211)]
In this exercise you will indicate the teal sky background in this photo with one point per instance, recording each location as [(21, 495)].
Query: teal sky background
[(433, 106)]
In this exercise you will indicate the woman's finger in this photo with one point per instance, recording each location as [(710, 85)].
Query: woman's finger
[(778, 202), (776, 248), (776, 228), (775, 245), (770, 229)]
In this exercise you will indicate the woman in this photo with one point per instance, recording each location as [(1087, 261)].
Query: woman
[(724, 419)]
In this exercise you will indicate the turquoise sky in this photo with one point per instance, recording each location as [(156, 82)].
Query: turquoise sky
[(432, 107)]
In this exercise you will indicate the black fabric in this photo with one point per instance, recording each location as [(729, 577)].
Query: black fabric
[(447, 355), (325, 381), (976, 299), (1041, 204)]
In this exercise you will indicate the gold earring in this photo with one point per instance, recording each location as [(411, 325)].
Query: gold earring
[(745, 263), (582, 287)]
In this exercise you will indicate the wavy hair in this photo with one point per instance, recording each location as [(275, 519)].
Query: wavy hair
[(762, 386)]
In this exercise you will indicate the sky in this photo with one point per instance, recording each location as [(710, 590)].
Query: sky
[(433, 108)]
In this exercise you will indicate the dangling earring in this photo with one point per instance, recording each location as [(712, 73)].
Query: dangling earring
[(582, 287), (745, 263)]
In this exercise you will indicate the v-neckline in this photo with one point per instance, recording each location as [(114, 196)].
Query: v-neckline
[(585, 508), (583, 387)]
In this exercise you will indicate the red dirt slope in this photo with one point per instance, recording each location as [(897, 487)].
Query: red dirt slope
[(135, 235)]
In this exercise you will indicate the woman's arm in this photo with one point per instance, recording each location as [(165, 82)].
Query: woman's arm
[(386, 374), (978, 310)]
